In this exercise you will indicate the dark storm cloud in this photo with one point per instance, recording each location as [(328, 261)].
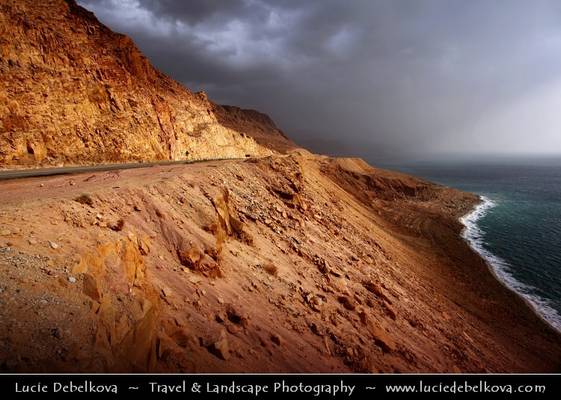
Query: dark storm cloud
[(388, 77)]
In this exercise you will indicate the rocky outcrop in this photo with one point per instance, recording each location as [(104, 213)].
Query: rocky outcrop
[(255, 124), (74, 92)]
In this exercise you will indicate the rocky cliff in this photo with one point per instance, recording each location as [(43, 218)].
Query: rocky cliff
[(258, 125), (74, 92)]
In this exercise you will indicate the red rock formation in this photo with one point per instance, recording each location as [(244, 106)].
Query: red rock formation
[(258, 125), (74, 92)]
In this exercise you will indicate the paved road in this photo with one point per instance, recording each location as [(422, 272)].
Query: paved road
[(35, 172)]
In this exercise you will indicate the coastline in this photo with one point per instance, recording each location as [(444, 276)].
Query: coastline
[(394, 291), (277, 260), (472, 235)]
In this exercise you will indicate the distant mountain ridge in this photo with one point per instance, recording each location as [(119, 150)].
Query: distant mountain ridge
[(74, 92)]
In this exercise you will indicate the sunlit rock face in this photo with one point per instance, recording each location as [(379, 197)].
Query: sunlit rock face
[(74, 92)]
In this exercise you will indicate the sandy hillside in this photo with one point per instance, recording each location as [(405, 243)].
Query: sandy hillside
[(288, 263)]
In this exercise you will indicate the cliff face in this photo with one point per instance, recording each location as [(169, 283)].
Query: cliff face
[(74, 92), (258, 125)]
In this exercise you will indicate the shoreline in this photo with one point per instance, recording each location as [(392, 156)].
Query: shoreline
[(478, 211), (426, 302)]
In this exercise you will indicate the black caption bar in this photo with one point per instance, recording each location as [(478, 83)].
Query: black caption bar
[(277, 386)]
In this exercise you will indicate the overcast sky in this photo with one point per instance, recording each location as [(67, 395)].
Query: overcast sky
[(379, 78)]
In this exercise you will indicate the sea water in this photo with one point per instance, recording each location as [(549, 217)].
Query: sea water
[(517, 226)]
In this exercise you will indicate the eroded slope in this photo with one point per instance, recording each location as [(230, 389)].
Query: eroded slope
[(289, 263)]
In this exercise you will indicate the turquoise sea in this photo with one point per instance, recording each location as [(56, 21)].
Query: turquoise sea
[(517, 227)]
